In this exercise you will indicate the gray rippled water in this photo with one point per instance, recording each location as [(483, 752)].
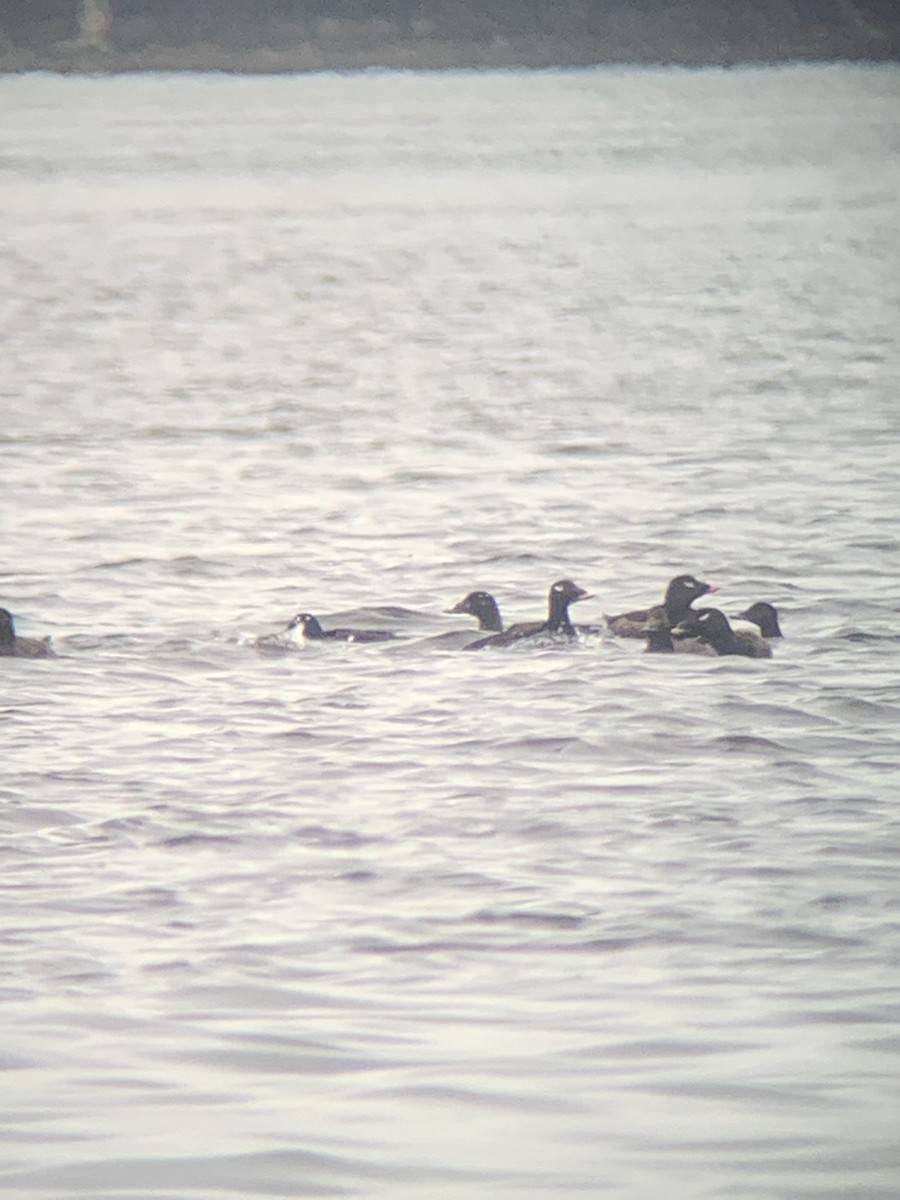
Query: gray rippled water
[(396, 920)]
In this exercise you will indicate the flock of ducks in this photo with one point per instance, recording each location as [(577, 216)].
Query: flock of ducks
[(674, 625), (669, 627)]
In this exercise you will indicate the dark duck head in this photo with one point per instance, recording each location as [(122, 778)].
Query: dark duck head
[(307, 626), (483, 607), (712, 628), (764, 615), (562, 593), (682, 591)]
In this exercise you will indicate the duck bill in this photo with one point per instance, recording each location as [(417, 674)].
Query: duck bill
[(583, 595), (711, 587)]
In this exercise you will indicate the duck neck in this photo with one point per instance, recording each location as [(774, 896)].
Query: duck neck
[(558, 619), (490, 619), (768, 625), (677, 608), (723, 641)]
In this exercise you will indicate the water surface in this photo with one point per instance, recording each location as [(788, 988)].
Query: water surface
[(398, 920)]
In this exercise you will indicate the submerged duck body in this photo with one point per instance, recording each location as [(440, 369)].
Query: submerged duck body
[(307, 626), (681, 592), (13, 646), (483, 607), (562, 593), (658, 635), (712, 629)]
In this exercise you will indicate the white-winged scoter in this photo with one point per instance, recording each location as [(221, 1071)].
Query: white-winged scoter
[(309, 627), (563, 593), (680, 594), (483, 607), (763, 615), (712, 628)]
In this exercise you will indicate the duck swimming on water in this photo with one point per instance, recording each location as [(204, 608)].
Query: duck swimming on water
[(309, 627), (563, 593), (712, 629), (682, 591), (483, 607), (763, 615)]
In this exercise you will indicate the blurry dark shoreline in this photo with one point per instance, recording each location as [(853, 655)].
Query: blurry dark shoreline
[(764, 36), (310, 58)]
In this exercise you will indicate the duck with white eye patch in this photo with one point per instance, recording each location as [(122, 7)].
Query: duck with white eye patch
[(712, 629), (660, 640), (681, 592), (308, 627), (658, 636), (562, 593)]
